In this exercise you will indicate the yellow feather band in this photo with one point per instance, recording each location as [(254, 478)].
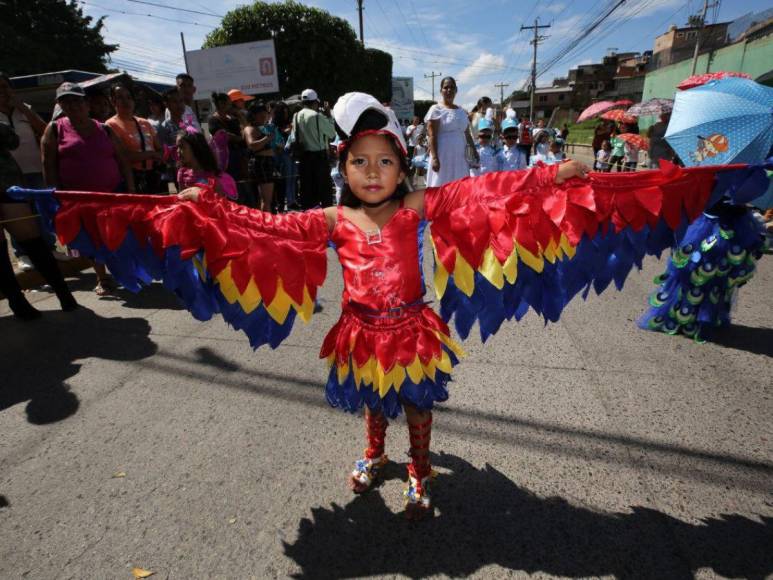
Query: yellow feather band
[(373, 375), (250, 299), (494, 271)]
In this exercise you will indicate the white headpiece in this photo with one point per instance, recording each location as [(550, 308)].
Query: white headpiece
[(350, 107)]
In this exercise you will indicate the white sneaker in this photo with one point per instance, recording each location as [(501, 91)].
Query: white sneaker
[(25, 265)]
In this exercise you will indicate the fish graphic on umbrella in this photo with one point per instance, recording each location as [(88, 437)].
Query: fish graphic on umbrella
[(710, 146)]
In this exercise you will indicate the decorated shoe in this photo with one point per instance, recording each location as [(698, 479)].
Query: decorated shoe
[(366, 473), (418, 496)]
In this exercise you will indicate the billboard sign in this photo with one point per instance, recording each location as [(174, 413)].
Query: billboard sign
[(249, 67), (402, 97)]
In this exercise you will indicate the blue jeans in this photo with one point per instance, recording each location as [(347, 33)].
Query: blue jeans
[(286, 166), (34, 181)]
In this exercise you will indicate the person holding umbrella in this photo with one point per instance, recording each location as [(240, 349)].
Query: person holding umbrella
[(721, 122), (659, 147)]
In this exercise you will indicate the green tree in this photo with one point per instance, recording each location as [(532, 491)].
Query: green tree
[(313, 49), (39, 36)]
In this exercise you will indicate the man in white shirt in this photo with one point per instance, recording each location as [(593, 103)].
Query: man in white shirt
[(412, 135), (187, 89)]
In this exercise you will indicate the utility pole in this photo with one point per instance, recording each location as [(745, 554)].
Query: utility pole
[(433, 75), (706, 7), (359, 9), (537, 39), (501, 87)]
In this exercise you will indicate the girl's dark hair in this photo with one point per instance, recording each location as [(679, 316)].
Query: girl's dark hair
[(481, 102), (117, 87), (444, 79), (201, 151), (254, 109), (280, 114), (169, 92), (5, 77), (372, 120), (218, 98)]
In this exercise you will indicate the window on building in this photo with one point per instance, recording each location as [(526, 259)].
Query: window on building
[(561, 97), (692, 34), (680, 34), (543, 99)]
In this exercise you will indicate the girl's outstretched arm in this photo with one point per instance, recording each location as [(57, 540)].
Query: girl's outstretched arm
[(566, 170)]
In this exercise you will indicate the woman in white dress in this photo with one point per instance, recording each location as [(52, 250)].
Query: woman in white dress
[(448, 128)]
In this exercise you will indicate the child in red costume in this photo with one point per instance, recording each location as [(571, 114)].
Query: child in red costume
[(376, 232)]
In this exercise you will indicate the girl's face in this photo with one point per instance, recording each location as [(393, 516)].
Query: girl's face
[(372, 169), (484, 137), (186, 154)]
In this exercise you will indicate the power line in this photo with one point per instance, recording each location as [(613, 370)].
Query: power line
[(137, 51), (601, 33), (418, 21), (582, 36), (141, 14), (166, 6), (445, 59), (405, 20), (392, 26)]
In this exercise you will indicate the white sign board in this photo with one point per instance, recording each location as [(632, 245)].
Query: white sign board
[(249, 67), (402, 97)]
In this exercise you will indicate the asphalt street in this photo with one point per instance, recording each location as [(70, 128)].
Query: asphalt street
[(135, 436)]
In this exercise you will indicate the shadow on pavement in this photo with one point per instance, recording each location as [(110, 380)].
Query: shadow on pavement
[(154, 296), (483, 518), (748, 338), (38, 357), (549, 438)]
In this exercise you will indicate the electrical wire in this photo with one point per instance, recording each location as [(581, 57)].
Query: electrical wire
[(582, 36), (141, 14), (167, 7), (405, 20), (418, 21), (593, 41)]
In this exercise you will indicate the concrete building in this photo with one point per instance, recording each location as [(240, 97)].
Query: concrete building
[(752, 55), (678, 44), (546, 99)]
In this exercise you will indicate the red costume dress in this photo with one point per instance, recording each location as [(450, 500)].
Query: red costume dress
[(389, 346)]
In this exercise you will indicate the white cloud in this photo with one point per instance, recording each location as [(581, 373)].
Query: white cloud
[(485, 62)]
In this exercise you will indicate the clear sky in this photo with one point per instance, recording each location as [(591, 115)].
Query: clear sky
[(479, 43)]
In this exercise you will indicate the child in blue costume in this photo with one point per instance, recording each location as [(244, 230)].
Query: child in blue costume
[(488, 154), (511, 156)]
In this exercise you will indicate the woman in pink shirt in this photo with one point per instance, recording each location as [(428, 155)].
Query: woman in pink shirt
[(80, 154)]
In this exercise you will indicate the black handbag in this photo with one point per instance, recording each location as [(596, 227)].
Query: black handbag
[(296, 147)]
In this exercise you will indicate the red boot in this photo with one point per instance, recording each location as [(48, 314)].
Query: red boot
[(366, 470), (418, 500)]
